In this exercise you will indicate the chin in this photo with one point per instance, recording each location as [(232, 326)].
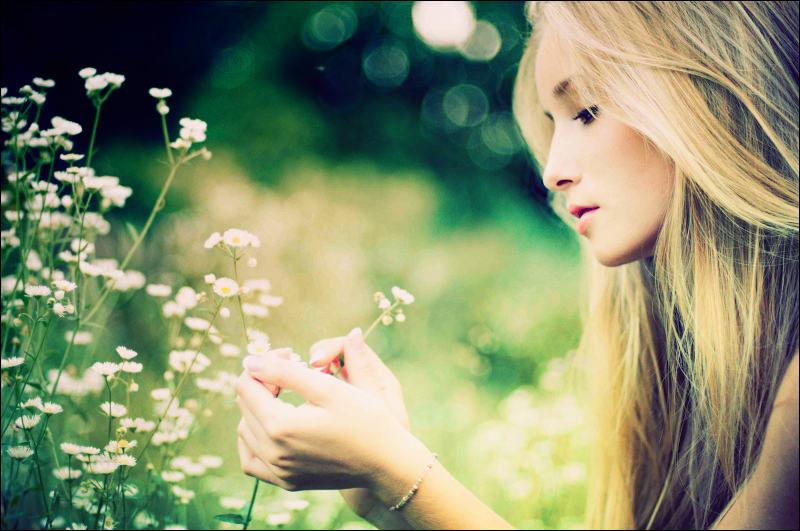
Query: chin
[(618, 257)]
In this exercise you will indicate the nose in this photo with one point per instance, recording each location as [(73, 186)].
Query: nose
[(562, 169)]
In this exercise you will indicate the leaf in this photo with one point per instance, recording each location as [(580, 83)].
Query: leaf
[(230, 518), (132, 231)]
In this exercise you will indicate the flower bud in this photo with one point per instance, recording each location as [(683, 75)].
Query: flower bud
[(17, 322), (134, 387), (168, 376), (387, 320), (59, 295)]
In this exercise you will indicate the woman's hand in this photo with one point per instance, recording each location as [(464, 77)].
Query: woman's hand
[(337, 440), (364, 370)]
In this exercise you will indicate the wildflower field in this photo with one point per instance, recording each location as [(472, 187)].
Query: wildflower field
[(136, 275)]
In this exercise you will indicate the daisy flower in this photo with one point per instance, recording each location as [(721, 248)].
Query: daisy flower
[(106, 368), (160, 93), (125, 460), (132, 366), (37, 291), (11, 362), (126, 353), (226, 287), (258, 348), (20, 453), (159, 290), (240, 238), (402, 295), (70, 448), (50, 408), (64, 285), (114, 409), (27, 422), (213, 240), (65, 473)]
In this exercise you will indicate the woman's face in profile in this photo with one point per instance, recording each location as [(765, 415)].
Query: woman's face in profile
[(601, 162)]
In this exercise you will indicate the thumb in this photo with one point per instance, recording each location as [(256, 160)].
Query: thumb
[(363, 366)]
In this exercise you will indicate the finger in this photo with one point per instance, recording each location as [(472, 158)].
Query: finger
[(365, 369), (252, 465), (326, 351), (319, 389), (259, 400)]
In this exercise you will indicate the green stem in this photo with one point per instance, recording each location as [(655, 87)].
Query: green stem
[(102, 499), (110, 418), (252, 502), (94, 133), (156, 209)]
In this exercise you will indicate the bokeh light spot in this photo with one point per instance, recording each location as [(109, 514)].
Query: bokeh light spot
[(443, 24), (386, 64), (484, 43), (465, 105), (330, 27)]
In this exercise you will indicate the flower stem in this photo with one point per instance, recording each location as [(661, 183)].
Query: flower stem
[(250, 509)]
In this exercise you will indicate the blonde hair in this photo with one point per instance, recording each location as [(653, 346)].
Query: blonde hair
[(686, 349)]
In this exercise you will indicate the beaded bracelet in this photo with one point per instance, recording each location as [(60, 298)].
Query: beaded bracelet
[(414, 488)]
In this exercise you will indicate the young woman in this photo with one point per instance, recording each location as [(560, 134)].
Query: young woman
[(671, 130)]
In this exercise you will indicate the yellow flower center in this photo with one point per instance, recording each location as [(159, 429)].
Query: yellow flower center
[(226, 290)]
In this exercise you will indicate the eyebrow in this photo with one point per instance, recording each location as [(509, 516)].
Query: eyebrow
[(559, 90)]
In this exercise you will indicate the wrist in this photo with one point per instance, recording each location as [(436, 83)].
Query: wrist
[(400, 468)]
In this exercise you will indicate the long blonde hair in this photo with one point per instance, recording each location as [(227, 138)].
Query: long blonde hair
[(686, 349)]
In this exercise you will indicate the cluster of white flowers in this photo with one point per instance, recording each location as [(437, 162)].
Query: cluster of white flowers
[(232, 238), (96, 82), (390, 310), (192, 131)]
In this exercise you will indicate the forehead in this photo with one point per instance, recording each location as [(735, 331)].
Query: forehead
[(552, 65)]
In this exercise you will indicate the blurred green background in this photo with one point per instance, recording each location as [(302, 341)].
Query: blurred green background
[(364, 154)]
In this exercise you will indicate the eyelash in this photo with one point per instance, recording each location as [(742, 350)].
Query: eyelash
[(585, 115)]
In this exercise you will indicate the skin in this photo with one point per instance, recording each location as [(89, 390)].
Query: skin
[(604, 163)]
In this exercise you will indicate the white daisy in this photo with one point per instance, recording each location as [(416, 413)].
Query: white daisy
[(213, 240), (402, 295), (230, 351), (126, 353), (26, 422), (125, 460), (258, 348), (64, 285), (106, 368), (240, 238), (11, 362), (65, 473), (37, 291), (114, 410), (20, 453), (159, 290), (50, 408), (70, 448), (132, 366), (59, 309), (160, 93), (226, 287)]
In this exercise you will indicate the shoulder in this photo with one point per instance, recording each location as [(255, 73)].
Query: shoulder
[(771, 497), (789, 390)]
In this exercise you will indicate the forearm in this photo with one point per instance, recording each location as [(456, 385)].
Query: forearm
[(440, 502)]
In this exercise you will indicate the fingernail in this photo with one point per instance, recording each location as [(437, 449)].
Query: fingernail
[(356, 339), (254, 363)]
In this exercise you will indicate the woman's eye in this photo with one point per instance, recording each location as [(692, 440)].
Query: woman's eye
[(585, 115)]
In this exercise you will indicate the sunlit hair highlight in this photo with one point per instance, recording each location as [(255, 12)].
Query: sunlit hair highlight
[(685, 350)]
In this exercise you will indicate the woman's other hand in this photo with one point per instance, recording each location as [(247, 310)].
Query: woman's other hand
[(337, 440)]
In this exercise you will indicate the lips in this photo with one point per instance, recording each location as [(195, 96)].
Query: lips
[(578, 211)]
